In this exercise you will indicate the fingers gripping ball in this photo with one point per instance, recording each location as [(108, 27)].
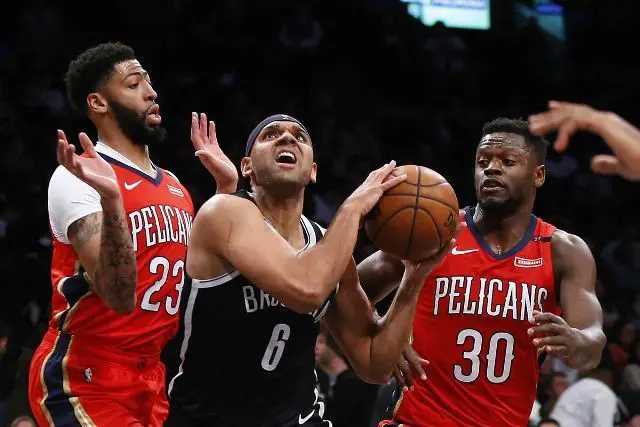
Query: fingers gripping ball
[(416, 218)]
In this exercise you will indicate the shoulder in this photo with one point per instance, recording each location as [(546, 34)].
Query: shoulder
[(228, 206), (171, 175), (569, 250), (567, 242)]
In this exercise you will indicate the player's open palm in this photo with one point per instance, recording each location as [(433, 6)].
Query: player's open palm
[(367, 195), (205, 142), (92, 169)]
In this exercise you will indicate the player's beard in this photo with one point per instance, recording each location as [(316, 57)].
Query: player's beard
[(134, 125), (500, 208)]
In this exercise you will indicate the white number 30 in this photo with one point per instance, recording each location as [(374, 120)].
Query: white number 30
[(474, 354)]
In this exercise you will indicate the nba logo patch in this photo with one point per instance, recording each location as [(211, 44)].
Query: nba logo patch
[(175, 190), (527, 263)]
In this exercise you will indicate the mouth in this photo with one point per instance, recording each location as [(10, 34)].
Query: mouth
[(286, 157), (491, 185), (153, 115)]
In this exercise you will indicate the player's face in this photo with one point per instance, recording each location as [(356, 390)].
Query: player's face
[(283, 155), (506, 173), (132, 104)]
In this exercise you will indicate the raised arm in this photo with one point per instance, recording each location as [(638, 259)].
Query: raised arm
[(374, 345), (621, 136), (102, 239), (205, 142), (233, 230), (578, 335)]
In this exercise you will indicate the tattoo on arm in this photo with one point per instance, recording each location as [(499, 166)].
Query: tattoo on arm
[(84, 229), (115, 274)]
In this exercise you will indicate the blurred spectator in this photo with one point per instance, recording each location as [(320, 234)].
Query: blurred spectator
[(349, 400), (557, 384), (23, 421), (621, 262), (590, 402), (631, 372)]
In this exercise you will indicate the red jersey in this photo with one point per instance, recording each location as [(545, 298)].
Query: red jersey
[(471, 324), (160, 213)]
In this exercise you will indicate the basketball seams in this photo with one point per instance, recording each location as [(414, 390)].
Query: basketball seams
[(418, 184), (435, 224), (424, 197), (375, 235), (415, 213)]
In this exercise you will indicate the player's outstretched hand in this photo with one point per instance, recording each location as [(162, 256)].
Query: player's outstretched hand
[(621, 136), (92, 169), (410, 364), (553, 335), (367, 195), (205, 142), (415, 273)]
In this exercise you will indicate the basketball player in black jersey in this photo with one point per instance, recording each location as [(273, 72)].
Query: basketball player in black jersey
[(264, 276)]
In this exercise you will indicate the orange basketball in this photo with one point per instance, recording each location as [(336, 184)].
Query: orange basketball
[(416, 219)]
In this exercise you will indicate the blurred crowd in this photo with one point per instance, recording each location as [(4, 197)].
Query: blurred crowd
[(371, 84)]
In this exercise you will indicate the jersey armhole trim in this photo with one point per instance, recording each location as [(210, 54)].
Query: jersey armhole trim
[(216, 281)]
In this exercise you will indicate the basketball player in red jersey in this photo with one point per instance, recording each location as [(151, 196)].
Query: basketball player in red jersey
[(121, 229), (620, 135), (493, 306)]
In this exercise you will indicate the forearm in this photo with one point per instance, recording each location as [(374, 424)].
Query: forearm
[(623, 138), (379, 275), (115, 274), (323, 266), (589, 353), (393, 332)]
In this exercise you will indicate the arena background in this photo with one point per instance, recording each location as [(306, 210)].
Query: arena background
[(372, 82)]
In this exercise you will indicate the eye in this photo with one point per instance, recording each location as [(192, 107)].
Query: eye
[(483, 163), (509, 162), (301, 138), (133, 85), (270, 135)]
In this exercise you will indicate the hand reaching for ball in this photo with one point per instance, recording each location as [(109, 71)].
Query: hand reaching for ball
[(416, 272), (369, 192)]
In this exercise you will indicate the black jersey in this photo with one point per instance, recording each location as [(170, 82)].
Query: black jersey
[(246, 359)]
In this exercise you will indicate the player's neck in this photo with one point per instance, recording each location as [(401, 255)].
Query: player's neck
[(503, 232), (283, 213), (136, 153)]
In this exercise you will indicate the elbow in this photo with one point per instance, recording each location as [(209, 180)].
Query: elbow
[(123, 309), (123, 305), (373, 376), (118, 294), (307, 298)]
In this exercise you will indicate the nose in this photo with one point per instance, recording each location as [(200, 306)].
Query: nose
[(152, 95), (286, 138), (494, 168)]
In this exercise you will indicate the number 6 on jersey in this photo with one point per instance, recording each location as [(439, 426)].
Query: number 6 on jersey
[(275, 348)]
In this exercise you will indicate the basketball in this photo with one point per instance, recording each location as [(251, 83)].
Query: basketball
[(417, 218)]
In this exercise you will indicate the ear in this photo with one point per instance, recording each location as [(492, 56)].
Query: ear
[(245, 167), (314, 172), (540, 176), (97, 103)]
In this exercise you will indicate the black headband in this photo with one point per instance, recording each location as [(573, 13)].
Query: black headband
[(263, 124)]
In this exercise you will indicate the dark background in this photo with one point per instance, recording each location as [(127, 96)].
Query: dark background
[(371, 84)]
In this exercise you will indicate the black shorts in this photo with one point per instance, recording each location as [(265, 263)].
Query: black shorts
[(307, 418)]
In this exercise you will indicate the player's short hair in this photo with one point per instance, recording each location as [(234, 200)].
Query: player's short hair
[(91, 70), (520, 127), (547, 421)]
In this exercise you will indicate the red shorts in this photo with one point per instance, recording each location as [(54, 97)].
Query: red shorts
[(74, 381)]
